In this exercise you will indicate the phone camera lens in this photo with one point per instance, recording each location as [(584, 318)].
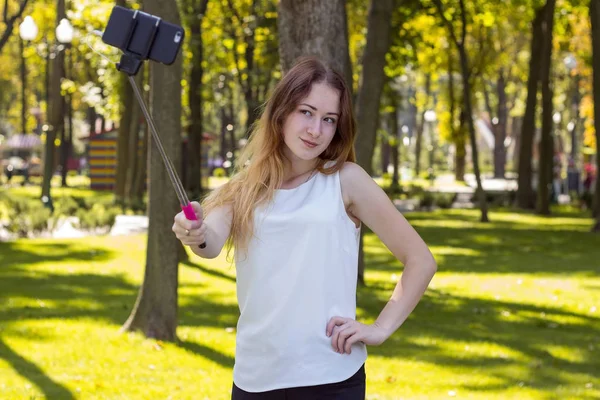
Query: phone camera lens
[(177, 38)]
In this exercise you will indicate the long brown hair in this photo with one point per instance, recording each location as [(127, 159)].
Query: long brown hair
[(259, 170)]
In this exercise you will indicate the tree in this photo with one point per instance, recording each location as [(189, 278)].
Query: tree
[(126, 102), (369, 93), (56, 108), (372, 80), (595, 22), (247, 30), (195, 10), (9, 21), (468, 108), (314, 27), (155, 311), (525, 195), (546, 143)]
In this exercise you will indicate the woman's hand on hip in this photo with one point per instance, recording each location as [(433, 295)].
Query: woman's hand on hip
[(344, 332)]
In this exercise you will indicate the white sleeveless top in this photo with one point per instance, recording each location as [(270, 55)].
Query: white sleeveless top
[(299, 271)]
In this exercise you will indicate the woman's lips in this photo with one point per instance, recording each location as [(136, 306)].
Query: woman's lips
[(309, 143)]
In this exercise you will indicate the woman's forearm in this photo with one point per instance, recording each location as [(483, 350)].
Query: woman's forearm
[(213, 244), (406, 295)]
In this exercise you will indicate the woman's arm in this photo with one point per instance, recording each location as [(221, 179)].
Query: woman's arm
[(214, 230), (366, 201)]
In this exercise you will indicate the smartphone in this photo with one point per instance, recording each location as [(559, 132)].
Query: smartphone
[(144, 35)]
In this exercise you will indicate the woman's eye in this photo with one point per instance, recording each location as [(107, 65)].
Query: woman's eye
[(306, 112), (330, 120)]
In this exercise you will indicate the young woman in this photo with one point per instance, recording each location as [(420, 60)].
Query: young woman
[(292, 212)]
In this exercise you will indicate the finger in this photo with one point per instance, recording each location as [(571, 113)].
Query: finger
[(196, 232), (335, 337), (185, 223), (334, 321), (198, 210), (193, 240), (343, 336), (355, 338)]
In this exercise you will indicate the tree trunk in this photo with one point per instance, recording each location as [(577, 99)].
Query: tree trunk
[(56, 107), (65, 145), (126, 102), (525, 195), (194, 147), (595, 21), (421, 127), (134, 145), (385, 153), (155, 311), (369, 92), (395, 144), (24, 110), (141, 171), (314, 27), (223, 136), (460, 158), (546, 142), (500, 128), (464, 64), (372, 80)]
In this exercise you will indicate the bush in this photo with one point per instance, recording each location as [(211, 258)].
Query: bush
[(66, 206), (426, 199), (415, 191), (445, 200), (25, 216), (98, 217)]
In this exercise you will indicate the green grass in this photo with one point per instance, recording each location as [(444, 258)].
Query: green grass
[(513, 313), (78, 186)]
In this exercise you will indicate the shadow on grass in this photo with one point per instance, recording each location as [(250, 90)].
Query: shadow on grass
[(209, 271), (481, 249), (207, 352), (528, 330), (48, 294), (441, 317), (33, 373)]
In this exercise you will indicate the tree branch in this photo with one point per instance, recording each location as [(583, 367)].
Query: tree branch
[(463, 18), (10, 22), (236, 57), (448, 23)]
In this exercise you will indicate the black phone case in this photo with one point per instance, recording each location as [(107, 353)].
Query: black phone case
[(166, 42)]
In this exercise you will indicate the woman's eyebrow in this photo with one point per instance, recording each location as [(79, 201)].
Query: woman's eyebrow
[(315, 109)]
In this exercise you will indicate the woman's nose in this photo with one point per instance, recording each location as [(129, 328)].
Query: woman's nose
[(314, 128)]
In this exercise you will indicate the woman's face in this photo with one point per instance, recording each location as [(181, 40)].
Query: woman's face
[(309, 128)]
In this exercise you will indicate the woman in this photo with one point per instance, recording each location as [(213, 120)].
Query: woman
[(293, 211)]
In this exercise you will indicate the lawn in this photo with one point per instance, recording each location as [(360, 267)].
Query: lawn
[(513, 313)]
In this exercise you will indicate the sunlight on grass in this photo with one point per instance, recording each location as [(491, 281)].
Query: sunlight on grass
[(513, 313)]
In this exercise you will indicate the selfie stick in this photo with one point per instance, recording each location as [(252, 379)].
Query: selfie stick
[(130, 64)]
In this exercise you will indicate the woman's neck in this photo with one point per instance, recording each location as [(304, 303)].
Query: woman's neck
[(295, 169)]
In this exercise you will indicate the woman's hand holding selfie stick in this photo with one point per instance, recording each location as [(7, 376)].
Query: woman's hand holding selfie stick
[(187, 229)]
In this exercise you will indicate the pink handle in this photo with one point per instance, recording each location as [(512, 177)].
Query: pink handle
[(190, 214)]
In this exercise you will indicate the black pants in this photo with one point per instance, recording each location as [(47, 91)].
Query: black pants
[(352, 388)]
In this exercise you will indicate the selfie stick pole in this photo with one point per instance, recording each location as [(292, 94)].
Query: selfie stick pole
[(130, 65)]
